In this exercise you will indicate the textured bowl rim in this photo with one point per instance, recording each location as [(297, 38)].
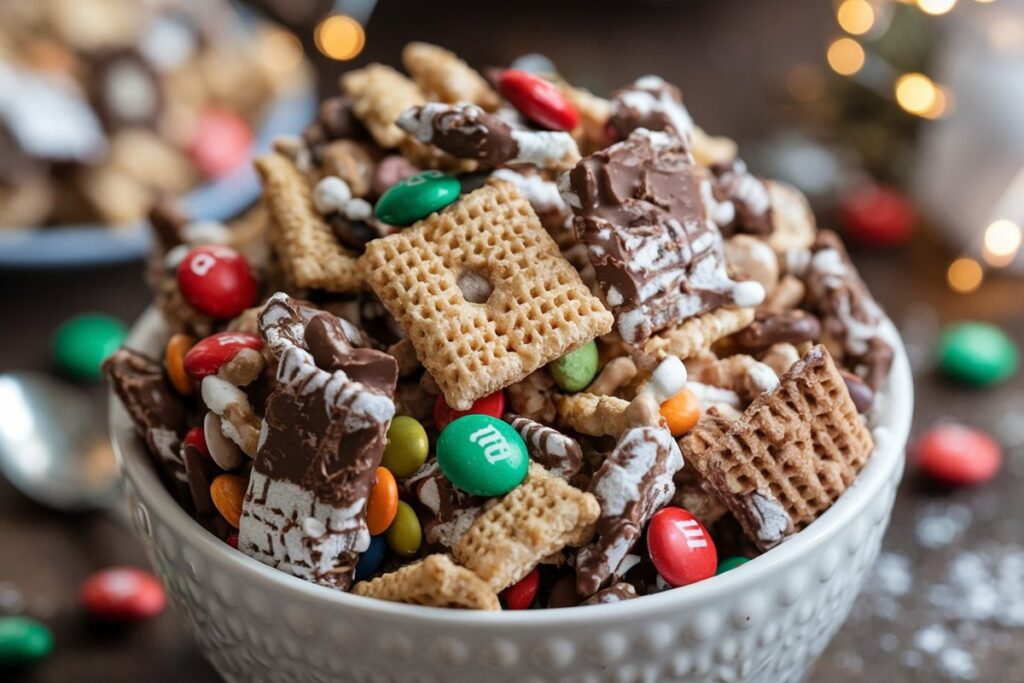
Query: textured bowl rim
[(894, 411)]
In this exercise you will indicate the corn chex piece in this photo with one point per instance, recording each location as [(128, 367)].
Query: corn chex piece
[(538, 518), (311, 255), (483, 293), (789, 456), (434, 581)]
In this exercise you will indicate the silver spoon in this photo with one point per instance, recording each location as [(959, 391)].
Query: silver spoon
[(53, 447)]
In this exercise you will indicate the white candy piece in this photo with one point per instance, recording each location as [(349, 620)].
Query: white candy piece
[(223, 450), (331, 194), (199, 233), (358, 209), (748, 294), (667, 380)]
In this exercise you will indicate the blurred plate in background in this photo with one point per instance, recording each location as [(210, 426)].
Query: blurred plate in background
[(221, 199)]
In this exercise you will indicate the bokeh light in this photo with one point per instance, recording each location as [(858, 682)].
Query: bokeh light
[(940, 107), (856, 16), (964, 275), (1002, 242), (340, 37), (846, 56), (916, 93), (936, 7), (280, 50)]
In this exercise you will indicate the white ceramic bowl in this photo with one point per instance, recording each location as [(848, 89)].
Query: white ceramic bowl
[(764, 621)]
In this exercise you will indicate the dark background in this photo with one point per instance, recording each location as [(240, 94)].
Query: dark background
[(731, 58)]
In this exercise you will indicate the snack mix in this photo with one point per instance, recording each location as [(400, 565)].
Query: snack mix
[(497, 342), (106, 105)]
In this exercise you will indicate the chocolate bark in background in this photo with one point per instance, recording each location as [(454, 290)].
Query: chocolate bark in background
[(125, 90), (652, 103), (850, 316), (751, 203), (324, 434), (467, 132), (633, 483), (639, 207), (158, 413)]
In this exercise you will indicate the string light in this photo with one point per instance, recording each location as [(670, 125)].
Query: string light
[(340, 37), (916, 93), (936, 7), (1002, 242), (280, 50), (964, 275), (856, 17), (845, 56)]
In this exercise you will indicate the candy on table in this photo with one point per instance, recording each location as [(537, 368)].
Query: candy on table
[(416, 197), (877, 216), (210, 354), (576, 369), (730, 563), (382, 505), (407, 447), (220, 142), (371, 558), (539, 100), (958, 455), (681, 548), (482, 455), (977, 353), (122, 594), (520, 595), (217, 281), (22, 641), (492, 404), (81, 344), (404, 536)]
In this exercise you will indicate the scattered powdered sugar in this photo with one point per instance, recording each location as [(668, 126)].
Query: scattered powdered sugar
[(940, 524)]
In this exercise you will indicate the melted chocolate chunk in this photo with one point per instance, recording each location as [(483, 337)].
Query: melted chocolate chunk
[(651, 103), (794, 327), (352, 234), (640, 211), (749, 197), (464, 131)]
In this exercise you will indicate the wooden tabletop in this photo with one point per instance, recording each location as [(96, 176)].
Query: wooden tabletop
[(944, 604)]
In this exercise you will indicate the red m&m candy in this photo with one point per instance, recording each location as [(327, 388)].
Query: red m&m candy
[(493, 405), (122, 594), (681, 548), (196, 438), (958, 455), (217, 281), (220, 142), (539, 100), (208, 355), (520, 595)]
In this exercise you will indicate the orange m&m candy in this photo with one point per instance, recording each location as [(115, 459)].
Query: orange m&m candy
[(228, 492), (681, 412), (383, 502), (174, 360)]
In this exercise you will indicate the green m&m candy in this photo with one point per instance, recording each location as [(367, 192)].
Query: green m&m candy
[(977, 353), (730, 563), (417, 197), (482, 455), (81, 344), (575, 370), (23, 640)]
